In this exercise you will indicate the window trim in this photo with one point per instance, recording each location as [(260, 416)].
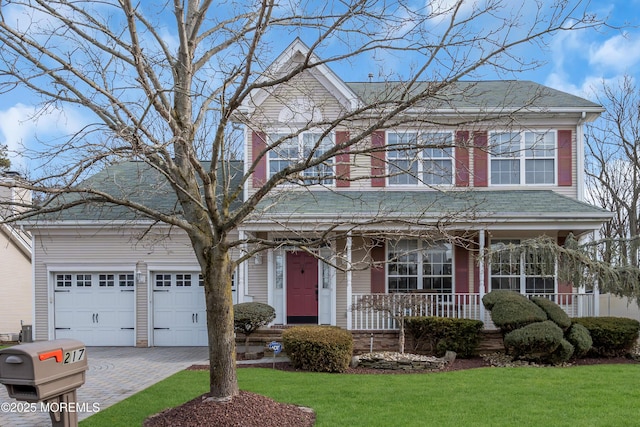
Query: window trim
[(522, 275), (329, 182), (522, 158), (420, 159), (421, 248)]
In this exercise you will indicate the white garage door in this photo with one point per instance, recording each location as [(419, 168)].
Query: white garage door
[(179, 310), (95, 308)]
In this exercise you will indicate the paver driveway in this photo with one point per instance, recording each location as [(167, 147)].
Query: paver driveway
[(114, 374)]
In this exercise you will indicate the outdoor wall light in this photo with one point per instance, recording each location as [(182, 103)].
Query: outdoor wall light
[(140, 277)]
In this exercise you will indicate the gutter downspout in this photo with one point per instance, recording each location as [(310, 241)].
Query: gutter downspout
[(349, 282), (580, 157), (481, 285)]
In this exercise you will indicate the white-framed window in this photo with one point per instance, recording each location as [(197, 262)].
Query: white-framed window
[(183, 280), (420, 158), (527, 157), (519, 271), (292, 150), (106, 280), (83, 280), (63, 280), (418, 265), (126, 280)]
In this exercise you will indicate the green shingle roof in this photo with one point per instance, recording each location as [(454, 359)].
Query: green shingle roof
[(498, 94), (134, 181), (502, 203)]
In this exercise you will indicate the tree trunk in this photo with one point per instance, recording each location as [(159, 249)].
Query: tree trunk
[(217, 274)]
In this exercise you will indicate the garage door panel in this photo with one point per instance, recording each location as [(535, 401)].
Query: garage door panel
[(178, 311), (93, 314)]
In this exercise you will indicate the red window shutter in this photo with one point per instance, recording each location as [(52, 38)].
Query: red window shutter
[(462, 159), (565, 159), (461, 268), (377, 159), (480, 160), (343, 168), (258, 146), (378, 263)]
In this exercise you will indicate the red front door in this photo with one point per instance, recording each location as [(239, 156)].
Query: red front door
[(302, 288)]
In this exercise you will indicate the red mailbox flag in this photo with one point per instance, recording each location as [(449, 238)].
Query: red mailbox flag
[(49, 354)]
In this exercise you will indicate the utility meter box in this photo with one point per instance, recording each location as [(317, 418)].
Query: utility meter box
[(41, 370)]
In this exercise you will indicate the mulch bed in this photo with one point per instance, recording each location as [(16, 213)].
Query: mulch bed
[(254, 410)]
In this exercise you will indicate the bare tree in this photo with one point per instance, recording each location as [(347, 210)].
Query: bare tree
[(165, 82), (613, 169)]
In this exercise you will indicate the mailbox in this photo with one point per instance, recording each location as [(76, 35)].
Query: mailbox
[(42, 370)]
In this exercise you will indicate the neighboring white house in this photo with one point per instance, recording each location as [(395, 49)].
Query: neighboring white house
[(16, 288), (103, 276)]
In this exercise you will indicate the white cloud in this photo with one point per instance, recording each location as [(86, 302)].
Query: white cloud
[(618, 53), (23, 126)]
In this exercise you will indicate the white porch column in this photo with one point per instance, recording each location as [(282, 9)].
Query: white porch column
[(481, 285), (596, 287), (241, 286), (349, 281)]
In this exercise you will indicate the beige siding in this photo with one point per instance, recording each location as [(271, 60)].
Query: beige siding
[(16, 292)]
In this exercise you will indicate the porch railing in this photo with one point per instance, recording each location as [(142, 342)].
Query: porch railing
[(379, 311)]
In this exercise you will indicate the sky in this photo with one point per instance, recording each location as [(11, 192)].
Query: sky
[(576, 62)]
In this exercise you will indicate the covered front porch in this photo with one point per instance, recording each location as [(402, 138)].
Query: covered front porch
[(375, 312)]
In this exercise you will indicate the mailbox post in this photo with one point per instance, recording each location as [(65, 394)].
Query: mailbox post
[(46, 371)]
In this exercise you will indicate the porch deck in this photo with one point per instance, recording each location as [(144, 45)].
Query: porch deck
[(374, 311)]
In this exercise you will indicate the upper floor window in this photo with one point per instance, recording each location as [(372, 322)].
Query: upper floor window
[(523, 157), (419, 265), (420, 158), (308, 145)]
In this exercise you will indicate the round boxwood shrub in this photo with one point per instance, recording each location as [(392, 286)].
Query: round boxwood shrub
[(563, 353), (580, 337), (249, 316), (493, 297), (612, 336), (554, 311), (534, 342), (318, 348), (513, 313)]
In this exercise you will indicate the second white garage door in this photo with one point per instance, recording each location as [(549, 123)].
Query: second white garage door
[(179, 310)]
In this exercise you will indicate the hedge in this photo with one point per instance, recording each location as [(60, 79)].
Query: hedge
[(318, 348), (436, 335), (612, 336)]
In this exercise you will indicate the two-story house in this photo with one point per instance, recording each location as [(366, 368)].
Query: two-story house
[(496, 162), (407, 210)]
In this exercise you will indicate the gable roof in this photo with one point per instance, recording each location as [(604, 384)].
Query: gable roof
[(286, 61), (497, 96)]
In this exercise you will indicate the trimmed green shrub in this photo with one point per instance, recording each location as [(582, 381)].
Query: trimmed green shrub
[(513, 313), (554, 311), (436, 335), (534, 342), (249, 316), (493, 297), (580, 337), (563, 353), (612, 336), (318, 348)]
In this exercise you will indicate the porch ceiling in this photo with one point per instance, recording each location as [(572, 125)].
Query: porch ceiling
[(506, 209)]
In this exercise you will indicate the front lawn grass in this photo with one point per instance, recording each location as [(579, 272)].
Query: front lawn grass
[(604, 395)]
